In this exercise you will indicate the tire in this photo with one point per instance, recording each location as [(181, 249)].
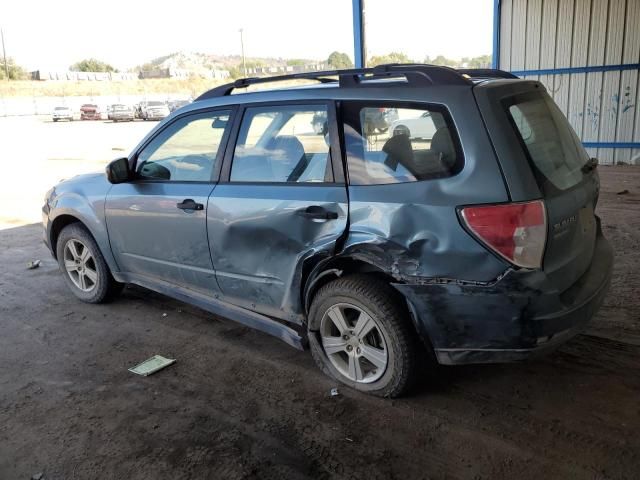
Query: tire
[(55, 120), (100, 286), (392, 336)]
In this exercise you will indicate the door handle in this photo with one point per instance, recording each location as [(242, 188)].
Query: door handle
[(317, 212), (189, 204)]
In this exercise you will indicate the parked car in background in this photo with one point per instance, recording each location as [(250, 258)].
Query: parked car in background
[(62, 113), (421, 127), (384, 255), (176, 104), (122, 113), (153, 110), (379, 119), (90, 111)]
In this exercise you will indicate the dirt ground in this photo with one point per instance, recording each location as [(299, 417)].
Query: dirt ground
[(239, 404)]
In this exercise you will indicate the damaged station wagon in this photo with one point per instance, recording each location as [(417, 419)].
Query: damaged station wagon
[(473, 240)]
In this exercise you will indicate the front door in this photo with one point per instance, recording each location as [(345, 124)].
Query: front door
[(282, 201), (157, 222)]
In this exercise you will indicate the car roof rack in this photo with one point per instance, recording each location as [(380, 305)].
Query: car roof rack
[(415, 74), (486, 73)]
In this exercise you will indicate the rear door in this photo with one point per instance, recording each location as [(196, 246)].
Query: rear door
[(281, 200), (542, 157)]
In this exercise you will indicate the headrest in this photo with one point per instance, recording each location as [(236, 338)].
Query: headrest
[(399, 151)]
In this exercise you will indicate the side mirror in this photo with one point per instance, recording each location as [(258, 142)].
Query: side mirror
[(118, 171)]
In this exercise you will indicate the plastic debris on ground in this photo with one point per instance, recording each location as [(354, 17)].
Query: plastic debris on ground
[(152, 365), (33, 264), (334, 392)]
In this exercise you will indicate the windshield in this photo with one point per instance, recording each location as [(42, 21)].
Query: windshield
[(551, 144)]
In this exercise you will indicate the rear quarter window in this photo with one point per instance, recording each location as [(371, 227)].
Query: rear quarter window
[(390, 142), (552, 147)]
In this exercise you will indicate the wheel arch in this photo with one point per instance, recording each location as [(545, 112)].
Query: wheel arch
[(335, 267), (57, 225)]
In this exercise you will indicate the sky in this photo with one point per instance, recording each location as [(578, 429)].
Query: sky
[(51, 35)]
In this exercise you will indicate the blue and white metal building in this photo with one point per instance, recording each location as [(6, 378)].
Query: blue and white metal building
[(587, 53)]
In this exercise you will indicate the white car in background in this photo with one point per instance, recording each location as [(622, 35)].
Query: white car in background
[(153, 110), (417, 127), (62, 113)]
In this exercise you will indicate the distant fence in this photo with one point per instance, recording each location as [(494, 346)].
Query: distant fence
[(44, 75), (79, 76)]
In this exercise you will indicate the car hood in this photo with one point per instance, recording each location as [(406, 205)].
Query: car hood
[(81, 180), (88, 185)]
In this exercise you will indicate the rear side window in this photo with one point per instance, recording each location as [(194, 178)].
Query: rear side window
[(283, 144), (398, 143), (552, 146)]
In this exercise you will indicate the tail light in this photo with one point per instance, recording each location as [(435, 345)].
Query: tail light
[(515, 231)]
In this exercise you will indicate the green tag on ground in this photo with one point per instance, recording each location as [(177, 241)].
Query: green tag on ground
[(152, 365)]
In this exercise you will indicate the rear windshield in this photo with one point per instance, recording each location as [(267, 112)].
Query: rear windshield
[(552, 146)]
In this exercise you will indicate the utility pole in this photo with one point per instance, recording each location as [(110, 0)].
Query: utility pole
[(4, 54), (244, 63)]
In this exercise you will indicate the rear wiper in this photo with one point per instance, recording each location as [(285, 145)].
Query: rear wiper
[(591, 165)]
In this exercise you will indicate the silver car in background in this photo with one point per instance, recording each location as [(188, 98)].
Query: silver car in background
[(62, 113), (121, 113)]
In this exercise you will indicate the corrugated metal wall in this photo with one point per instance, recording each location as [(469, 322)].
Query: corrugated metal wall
[(552, 34)]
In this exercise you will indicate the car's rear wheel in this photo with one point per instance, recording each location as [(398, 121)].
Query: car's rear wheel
[(84, 268), (360, 335)]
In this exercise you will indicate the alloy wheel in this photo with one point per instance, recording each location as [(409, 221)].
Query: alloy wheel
[(354, 343), (80, 265)]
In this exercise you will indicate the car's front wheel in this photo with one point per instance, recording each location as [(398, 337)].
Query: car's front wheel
[(84, 268), (359, 334)]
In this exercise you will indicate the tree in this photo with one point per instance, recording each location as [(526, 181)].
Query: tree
[(16, 72), (91, 65), (339, 60), (393, 57), (482, 61), (297, 62)]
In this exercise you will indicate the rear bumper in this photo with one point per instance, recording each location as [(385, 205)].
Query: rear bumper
[(512, 319)]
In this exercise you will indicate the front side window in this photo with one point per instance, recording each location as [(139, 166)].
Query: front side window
[(288, 144), (399, 143), (552, 145), (187, 150)]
